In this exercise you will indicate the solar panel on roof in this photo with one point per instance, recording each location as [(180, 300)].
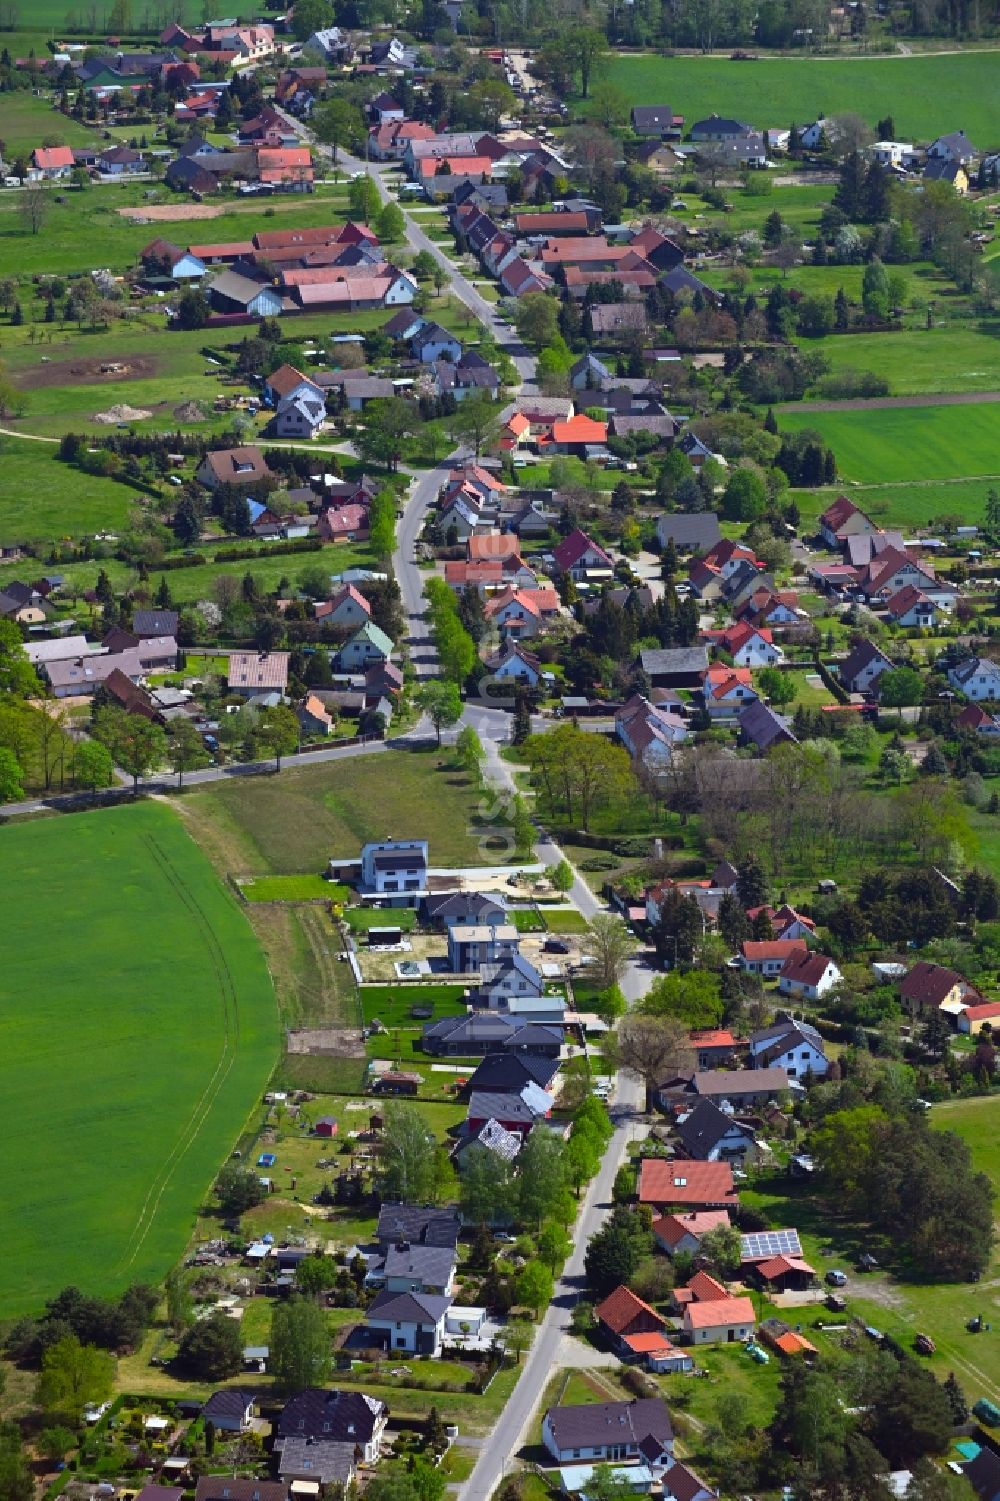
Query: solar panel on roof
[(759, 1245)]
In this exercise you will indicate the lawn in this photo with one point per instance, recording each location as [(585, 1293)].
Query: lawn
[(888, 445), (360, 919), (296, 821), (25, 119), (392, 1004), (91, 216), (563, 920), (188, 585), (139, 1030), (45, 500), (923, 93), (899, 1308), (292, 889)]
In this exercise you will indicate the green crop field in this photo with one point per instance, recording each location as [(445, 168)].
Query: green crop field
[(883, 445), (139, 1029), (924, 93)]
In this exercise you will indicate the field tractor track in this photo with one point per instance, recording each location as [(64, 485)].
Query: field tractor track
[(230, 1045)]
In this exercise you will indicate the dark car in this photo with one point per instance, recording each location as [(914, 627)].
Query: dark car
[(555, 946)]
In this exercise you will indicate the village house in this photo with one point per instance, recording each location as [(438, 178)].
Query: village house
[(253, 672), (232, 466), (761, 726), (748, 645), (368, 646), (321, 1416), (638, 1332), (346, 609), (578, 555), (792, 1045), (717, 1321), (648, 733), (767, 956), (843, 519), (230, 1411), (395, 868), (715, 1047), (928, 987), (977, 678), (910, 607), (471, 945), (708, 1134), (972, 1019), (684, 1231), (685, 1185), (608, 1430), (808, 975), (423, 1224), (862, 667)]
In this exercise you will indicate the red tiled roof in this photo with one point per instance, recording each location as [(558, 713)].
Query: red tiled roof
[(662, 1182), (672, 1228), (720, 1313), (620, 1308), (706, 1289), (779, 948)]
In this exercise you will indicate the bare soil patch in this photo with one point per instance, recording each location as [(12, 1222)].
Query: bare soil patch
[(343, 1042), (174, 211), (88, 372)]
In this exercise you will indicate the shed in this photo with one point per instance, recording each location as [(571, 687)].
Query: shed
[(326, 1126)]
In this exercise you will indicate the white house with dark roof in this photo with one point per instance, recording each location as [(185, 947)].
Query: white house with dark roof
[(395, 868), (411, 1322), (608, 1430), (977, 678), (862, 667), (808, 976), (787, 1043)]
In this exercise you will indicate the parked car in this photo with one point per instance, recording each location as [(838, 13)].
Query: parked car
[(836, 1303), (555, 946), (836, 1278)]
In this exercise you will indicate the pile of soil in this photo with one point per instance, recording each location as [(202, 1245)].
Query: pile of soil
[(121, 412), (189, 411)]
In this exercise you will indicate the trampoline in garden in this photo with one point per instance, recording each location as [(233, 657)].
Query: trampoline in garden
[(266, 1159)]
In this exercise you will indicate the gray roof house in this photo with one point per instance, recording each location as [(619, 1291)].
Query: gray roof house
[(762, 727), (708, 1134), (230, 1411), (418, 1223), (414, 1268), (412, 1322), (652, 120), (607, 1430), (675, 667), (328, 1461), (694, 532)]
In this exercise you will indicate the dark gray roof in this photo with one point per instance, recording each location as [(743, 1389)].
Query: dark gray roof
[(759, 723), (674, 659), (418, 1223), (432, 1264), (983, 1474), (509, 1072), (408, 1308), (702, 1130), (680, 279), (503, 1107), (487, 1027), (652, 117), (155, 622), (320, 1414), (860, 655), (328, 1460), (657, 424), (698, 530), (227, 1404), (719, 125), (464, 906), (594, 1423)]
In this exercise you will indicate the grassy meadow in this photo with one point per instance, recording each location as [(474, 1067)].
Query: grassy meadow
[(296, 821), (139, 1030), (904, 506), (926, 94), (44, 500)]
